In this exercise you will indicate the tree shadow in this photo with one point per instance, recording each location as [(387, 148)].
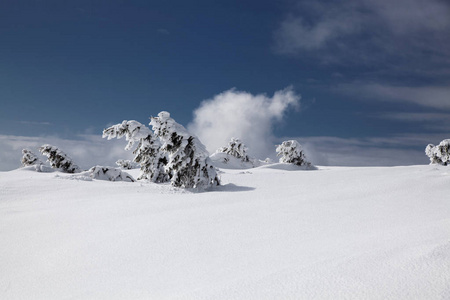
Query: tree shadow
[(230, 187)]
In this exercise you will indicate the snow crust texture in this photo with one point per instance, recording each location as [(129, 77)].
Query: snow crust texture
[(265, 233)]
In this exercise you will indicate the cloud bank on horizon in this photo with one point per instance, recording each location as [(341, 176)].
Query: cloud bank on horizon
[(242, 115)]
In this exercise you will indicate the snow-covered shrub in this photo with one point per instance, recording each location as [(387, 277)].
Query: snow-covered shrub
[(29, 158), (268, 160), (291, 152), (126, 164), (439, 154), (108, 173), (188, 161), (58, 159), (236, 148), (147, 153), (234, 156)]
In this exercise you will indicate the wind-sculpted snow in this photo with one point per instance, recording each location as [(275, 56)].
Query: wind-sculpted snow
[(265, 233), (108, 173)]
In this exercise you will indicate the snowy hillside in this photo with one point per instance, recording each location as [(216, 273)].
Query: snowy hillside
[(266, 233)]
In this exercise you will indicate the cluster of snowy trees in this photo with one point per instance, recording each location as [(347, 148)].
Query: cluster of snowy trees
[(165, 153), (62, 162), (290, 152), (439, 154), (57, 159)]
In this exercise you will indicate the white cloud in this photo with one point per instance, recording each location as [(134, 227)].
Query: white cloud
[(243, 115), (87, 151)]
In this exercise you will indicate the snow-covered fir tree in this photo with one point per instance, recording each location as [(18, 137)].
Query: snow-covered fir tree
[(439, 154), (126, 164), (147, 152), (236, 148), (291, 152), (188, 161), (58, 159), (30, 159)]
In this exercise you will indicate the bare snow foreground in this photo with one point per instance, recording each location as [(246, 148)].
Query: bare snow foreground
[(266, 233)]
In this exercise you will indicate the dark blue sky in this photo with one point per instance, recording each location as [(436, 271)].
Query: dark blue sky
[(365, 69)]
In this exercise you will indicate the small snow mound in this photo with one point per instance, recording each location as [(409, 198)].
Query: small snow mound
[(38, 168), (108, 173), (101, 173), (79, 177)]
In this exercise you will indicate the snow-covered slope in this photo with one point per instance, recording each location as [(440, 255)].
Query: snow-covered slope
[(267, 233)]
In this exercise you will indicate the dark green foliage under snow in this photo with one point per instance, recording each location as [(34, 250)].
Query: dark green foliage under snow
[(58, 159)]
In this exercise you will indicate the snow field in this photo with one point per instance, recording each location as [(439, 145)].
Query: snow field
[(266, 233)]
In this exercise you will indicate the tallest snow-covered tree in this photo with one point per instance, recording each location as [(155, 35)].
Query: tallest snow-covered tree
[(188, 163)]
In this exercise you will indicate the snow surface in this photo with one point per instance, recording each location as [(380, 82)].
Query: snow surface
[(266, 233)]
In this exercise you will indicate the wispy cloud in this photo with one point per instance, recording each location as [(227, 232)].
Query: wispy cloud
[(427, 96), (163, 31), (243, 115), (436, 122), (398, 34), (416, 117), (34, 123)]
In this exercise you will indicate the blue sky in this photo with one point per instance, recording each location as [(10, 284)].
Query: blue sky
[(373, 75)]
